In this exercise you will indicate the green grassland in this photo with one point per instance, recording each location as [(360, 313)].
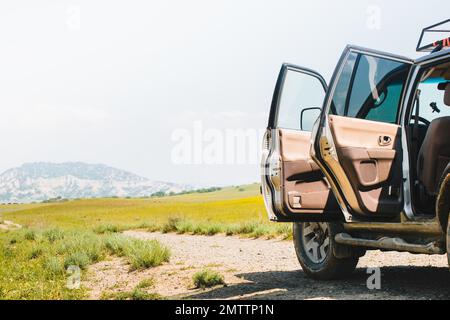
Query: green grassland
[(34, 259), (229, 205)]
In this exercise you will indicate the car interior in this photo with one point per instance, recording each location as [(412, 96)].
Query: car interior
[(429, 139)]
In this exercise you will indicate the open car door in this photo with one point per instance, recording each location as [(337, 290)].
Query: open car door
[(357, 142), (293, 186)]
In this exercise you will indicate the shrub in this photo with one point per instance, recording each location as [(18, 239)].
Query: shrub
[(170, 225), (106, 228), (35, 252), (207, 278), (212, 229), (53, 265), (259, 231), (231, 230), (30, 235), (146, 283), (136, 294), (246, 228), (79, 259), (54, 234), (146, 254), (184, 226), (117, 245)]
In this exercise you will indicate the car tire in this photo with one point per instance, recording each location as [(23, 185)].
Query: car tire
[(448, 241), (319, 255)]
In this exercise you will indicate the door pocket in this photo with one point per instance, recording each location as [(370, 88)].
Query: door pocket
[(368, 167)]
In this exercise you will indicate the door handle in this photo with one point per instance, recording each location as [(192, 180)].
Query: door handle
[(384, 140)]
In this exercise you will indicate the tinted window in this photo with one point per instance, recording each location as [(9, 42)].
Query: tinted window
[(376, 89), (300, 91), (369, 88), (342, 85)]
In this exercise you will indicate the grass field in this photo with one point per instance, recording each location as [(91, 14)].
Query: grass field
[(229, 205), (34, 259)]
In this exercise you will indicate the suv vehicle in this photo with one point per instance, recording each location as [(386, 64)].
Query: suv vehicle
[(364, 162)]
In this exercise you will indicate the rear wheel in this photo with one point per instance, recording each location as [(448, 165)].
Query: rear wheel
[(319, 255), (448, 241)]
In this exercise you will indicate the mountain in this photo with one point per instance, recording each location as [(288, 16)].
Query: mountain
[(40, 181)]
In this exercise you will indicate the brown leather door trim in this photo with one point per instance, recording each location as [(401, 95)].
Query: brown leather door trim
[(365, 170), (304, 189)]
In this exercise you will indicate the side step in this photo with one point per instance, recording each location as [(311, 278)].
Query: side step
[(396, 244)]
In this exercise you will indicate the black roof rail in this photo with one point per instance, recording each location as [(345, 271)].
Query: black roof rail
[(443, 37)]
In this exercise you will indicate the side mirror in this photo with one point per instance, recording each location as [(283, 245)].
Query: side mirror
[(308, 116)]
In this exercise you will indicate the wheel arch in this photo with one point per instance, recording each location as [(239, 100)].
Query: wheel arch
[(443, 200)]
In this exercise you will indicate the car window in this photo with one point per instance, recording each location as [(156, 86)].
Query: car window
[(370, 88), (300, 92), (342, 85), (376, 89), (430, 95)]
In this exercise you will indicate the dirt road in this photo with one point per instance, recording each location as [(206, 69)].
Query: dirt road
[(268, 269)]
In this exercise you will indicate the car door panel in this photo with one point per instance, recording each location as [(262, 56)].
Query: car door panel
[(293, 186), (304, 187), (369, 164), (363, 158)]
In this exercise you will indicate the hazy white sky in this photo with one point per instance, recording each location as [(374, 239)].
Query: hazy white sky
[(111, 81)]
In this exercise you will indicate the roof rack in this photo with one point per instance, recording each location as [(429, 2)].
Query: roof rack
[(435, 37)]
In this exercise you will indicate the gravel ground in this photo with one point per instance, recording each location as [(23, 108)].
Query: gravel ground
[(268, 269)]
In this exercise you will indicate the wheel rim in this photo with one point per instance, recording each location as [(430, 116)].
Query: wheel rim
[(316, 240)]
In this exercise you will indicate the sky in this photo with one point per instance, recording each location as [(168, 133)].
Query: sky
[(175, 91)]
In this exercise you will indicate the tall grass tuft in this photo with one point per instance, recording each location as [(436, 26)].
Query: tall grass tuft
[(53, 235), (146, 254), (170, 225), (106, 228), (207, 278), (80, 259)]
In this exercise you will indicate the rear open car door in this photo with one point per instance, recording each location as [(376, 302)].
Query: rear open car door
[(358, 139), (293, 186)]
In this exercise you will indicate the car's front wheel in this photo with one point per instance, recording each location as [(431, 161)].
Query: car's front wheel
[(317, 251)]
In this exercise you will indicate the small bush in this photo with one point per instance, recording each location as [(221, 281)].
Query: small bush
[(212, 229), (231, 230), (152, 227), (146, 283), (79, 259), (184, 227), (106, 228), (246, 228), (207, 278), (117, 245), (146, 254), (53, 235), (30, 235), (170, 225), (284, 230), (53, 265), (136, 294), (35, 252)]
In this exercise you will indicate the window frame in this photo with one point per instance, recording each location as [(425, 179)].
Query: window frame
[(285, 68)]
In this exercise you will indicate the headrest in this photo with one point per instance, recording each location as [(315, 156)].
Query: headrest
[(445, 86)]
